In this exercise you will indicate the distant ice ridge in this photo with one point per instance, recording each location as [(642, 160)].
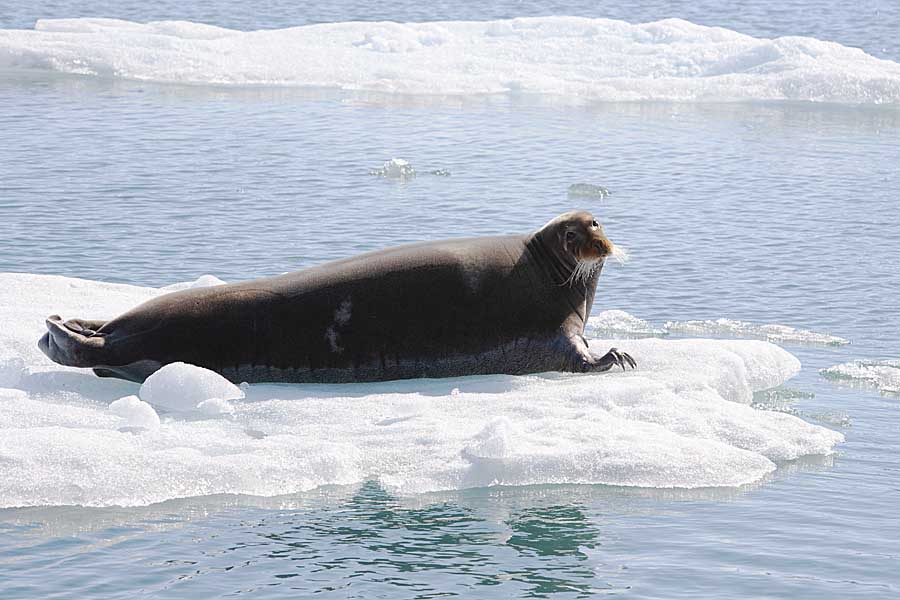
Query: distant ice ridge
[(881, 374), (202, 281), (619, 322), (683, 419), (569, 57), (771, 333)]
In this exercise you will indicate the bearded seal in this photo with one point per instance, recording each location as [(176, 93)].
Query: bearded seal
[(512, 304)]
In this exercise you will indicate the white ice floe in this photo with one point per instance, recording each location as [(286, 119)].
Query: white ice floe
[(683, 419), (741, 329), (881, 374), (620, 323), (565, 57), (12, 369)]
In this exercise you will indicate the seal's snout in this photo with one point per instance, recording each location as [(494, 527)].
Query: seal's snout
[(603, 247)]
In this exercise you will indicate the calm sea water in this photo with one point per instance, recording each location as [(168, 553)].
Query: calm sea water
[(773, 213)]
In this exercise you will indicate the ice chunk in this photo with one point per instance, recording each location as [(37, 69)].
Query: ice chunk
[(881, 374), (180, 387), (396, 168), (587, 190), (781, 399), (621, 323), (838, 419), (135, 413), (772, 333)]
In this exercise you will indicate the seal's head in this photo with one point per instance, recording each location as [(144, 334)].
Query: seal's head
[(578, 243)]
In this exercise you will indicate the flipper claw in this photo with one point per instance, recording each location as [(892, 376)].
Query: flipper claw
[(615, 357)]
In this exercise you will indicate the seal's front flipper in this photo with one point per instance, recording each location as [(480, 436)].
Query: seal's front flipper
[(584, 360), (613, 358)]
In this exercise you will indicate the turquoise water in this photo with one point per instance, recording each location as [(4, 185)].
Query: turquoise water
[(769, 212)]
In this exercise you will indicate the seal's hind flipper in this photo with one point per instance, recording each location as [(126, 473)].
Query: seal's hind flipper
[(101, 372), (85, 327), (69, 346), (137, 371)]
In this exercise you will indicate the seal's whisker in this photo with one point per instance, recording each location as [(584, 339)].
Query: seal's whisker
[(582, 271), (619, 254)]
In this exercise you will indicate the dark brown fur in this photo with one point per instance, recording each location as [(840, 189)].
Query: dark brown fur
[(438, 309)]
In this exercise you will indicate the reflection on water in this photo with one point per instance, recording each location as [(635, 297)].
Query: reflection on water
[(374, 543), (535, 541), (558, 531)]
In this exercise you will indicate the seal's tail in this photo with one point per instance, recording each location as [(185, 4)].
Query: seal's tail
[(74, 343)]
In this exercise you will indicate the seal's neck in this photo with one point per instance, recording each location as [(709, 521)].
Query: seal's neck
[(561, 271)]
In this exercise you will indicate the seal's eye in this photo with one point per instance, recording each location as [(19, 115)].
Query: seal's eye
[(570, 236), (594, 224)]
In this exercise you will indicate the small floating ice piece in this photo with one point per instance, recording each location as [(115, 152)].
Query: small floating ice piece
[(832, 418), (616, 323), (201, 282), (587, 190), (135, 413), (742, 329), (180, 387), (396, 168), (776, 398), (440, 172), (882, 374)]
